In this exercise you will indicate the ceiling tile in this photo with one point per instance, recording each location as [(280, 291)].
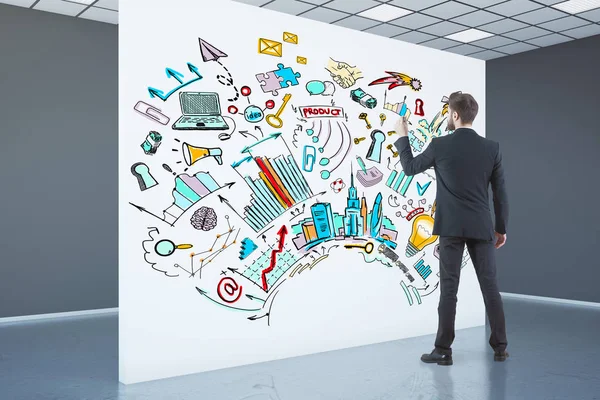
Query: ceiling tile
[(593, 15), (483, 3), (101, 14), (440, 43), (477, 18), (60, 7), (492, 42), (541, 15), (358, 23), (387, 30), (514, 7), (415, 21), (415, 5), (316, 2), (516, 48), (583, 31), (487, 55), (550, 2), (464, 49), (527, 33), (448, 10), (563, 24), (352, 6), (504, 25), (549, 40), (257, 3), (324, 15), (21, 3), (443, 28), (289, 7), (114, 4), (414, 37)]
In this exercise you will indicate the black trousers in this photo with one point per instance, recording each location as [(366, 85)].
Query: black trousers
[(483, 256)]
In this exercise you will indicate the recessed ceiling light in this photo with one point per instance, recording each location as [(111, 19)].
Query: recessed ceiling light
[(385, 12), (577, 6), (469, 35)]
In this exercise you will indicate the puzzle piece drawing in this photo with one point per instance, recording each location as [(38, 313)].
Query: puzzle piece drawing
[(287, 75), (269, 82), (415, 142)]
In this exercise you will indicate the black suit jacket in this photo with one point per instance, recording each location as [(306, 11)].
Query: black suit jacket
[(465, 164)]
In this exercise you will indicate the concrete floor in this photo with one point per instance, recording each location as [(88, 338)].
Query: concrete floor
[(555, 354)]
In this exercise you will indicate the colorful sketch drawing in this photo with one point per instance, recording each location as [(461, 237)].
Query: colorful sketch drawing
[(209, 52), (247, 248), (282, 77), (289, 37), (398, 79), (269, 82), (177, 76), (265, 272), (284, 261), (421, 235), (408, 294), (342, 73), (270, 47), (188, 191), (228, 238), (141, 172), (151, 112), (399, 182), (280, 186), (357, 221)]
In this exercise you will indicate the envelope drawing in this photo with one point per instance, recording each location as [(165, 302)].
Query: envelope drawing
[(301, 60), (290, 37), (270, 47)]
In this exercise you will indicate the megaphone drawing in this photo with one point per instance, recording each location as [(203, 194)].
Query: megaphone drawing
[(191, 154)]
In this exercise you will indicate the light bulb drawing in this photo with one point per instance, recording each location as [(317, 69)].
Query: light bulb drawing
[(422, 233)]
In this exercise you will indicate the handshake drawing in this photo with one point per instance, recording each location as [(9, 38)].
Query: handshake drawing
[(342, 73)]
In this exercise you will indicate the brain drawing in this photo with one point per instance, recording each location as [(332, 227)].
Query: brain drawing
[(205, 219)]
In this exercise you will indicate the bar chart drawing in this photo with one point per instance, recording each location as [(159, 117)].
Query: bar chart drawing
[(279, 186), (423, 270), (399, 182)]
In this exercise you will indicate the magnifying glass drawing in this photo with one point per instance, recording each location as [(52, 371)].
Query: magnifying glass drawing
[(166, 247)]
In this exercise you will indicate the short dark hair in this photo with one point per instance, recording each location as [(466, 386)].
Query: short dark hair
[(465, 105)]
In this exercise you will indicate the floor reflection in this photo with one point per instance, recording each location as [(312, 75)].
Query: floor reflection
[(77, 359)]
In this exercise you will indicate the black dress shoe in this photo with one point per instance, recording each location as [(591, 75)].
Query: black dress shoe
[(500, 355), (437, 358)]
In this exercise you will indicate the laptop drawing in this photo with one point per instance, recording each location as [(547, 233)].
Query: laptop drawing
[(201, 111)]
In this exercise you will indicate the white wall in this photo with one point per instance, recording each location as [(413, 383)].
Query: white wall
[(169, 328)]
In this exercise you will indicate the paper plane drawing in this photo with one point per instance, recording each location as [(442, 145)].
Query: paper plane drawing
[(210, 52)]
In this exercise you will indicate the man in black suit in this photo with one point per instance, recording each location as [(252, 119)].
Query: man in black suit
[(465, 164)]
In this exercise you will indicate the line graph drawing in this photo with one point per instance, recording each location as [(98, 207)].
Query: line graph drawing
[(209, 255), (282, 233)]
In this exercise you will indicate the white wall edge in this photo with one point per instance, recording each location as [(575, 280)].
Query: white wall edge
[(69, 314), (551, 300), (115, 310)]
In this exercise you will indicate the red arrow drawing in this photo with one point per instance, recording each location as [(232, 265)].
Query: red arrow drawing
[(282, 232)]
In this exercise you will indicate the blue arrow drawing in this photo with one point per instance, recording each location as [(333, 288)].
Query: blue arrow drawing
[(422, 189), (171, 73)]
